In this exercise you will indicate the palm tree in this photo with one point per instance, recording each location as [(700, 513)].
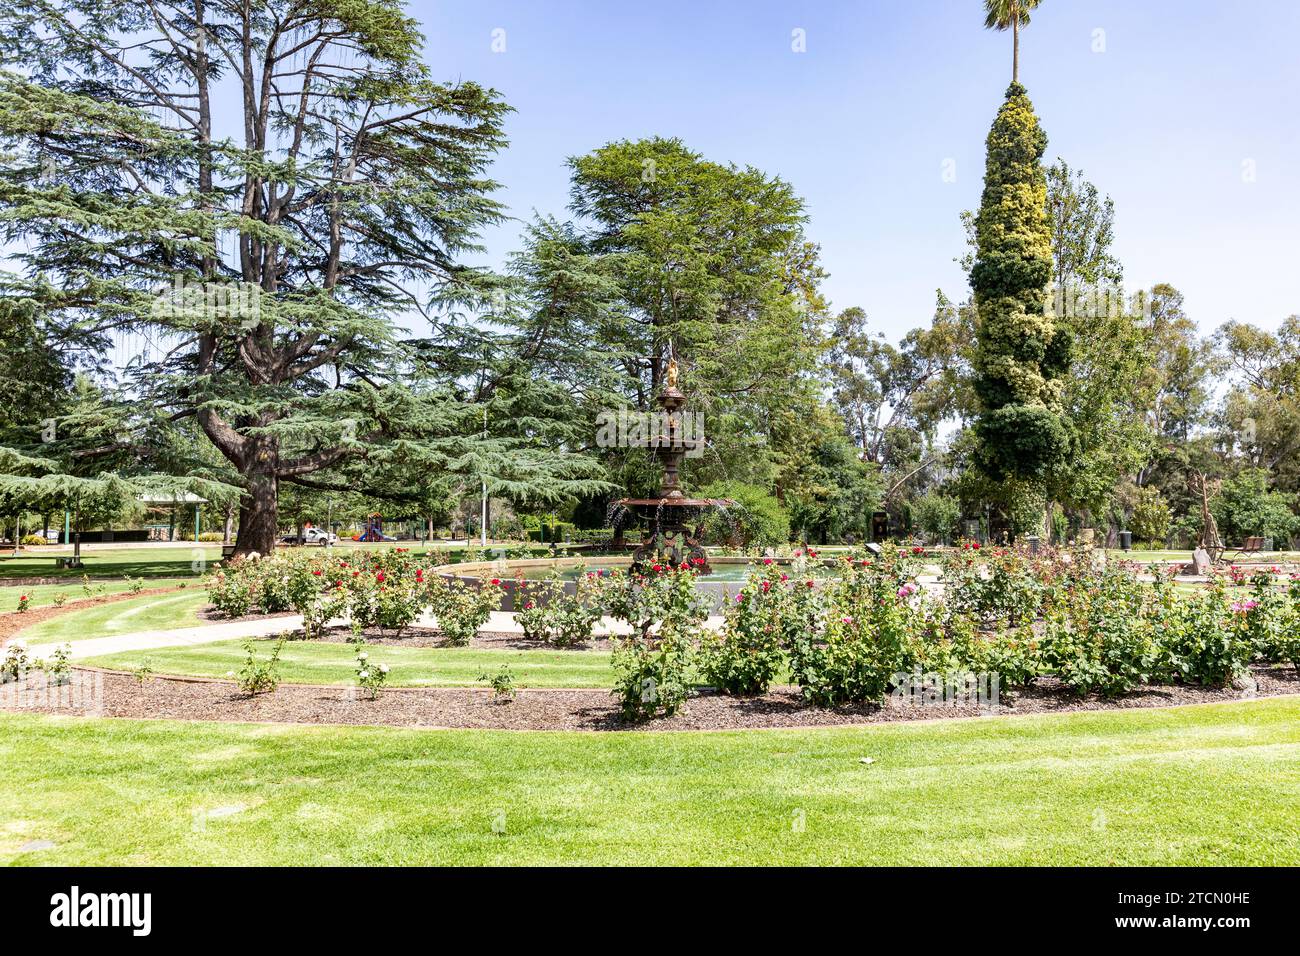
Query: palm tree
[(1010, 15)]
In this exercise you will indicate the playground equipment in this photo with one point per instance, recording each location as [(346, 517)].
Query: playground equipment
[(374, 530)]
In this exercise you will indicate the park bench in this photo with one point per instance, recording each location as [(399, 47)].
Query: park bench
[(1252, 546)]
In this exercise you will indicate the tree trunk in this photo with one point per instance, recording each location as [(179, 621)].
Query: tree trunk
[(1015, 49), (258, 516)]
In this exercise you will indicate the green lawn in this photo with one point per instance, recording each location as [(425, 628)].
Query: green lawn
[(42, 595), (147, 613), (323, 663), (170, 562), (1196, 785)]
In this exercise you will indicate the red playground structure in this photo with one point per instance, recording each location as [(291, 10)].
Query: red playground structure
[(374, 530)]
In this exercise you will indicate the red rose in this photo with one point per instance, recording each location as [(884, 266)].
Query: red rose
[(496, 580)]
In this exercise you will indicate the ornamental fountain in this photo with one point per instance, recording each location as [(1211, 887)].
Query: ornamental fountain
[(667, 518)]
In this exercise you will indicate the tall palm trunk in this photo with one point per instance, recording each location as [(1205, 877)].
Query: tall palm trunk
[(1015, 48)]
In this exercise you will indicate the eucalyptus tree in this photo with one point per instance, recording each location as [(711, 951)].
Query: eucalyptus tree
[(275, 189)]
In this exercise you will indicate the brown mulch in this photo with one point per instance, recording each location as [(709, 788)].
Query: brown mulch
[(432, 637), (13, 622), (212, 615), (589, 710)]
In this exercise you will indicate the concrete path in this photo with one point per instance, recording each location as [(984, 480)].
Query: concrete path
[(176, 637), (500, 622)]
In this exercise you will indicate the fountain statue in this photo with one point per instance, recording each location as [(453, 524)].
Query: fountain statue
[(668, 517)]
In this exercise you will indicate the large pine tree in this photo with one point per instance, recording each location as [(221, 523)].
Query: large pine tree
[(274, 190), (1020, 351)]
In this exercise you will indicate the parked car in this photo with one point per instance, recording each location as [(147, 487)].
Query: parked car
[(312, 536)]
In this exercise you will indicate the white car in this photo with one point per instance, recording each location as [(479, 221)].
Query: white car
[(312, 536)]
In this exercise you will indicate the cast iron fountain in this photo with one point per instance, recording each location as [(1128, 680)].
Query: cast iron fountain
[(668, 518)]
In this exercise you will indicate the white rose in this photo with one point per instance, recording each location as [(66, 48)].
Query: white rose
[(383, 668), (363, 656), (364, 674)]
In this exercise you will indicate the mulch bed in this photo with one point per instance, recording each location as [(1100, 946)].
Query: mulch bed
[(589, 710), (213, 616), (432, 637), (13, 622)]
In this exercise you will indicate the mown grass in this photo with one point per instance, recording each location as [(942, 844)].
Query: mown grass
[(42, 595), (147, 613), (1196, 785), (309, 662), (172, 562)]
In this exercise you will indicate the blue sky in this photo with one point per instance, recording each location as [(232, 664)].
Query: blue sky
[(1189, 118)]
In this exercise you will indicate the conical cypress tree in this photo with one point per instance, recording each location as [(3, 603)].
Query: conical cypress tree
[(1020, 353)]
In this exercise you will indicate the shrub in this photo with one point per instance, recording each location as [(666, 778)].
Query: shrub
[(144, 672), (24, 600), (59, 599), (234, 590), (461, 608), (259, 676), (868, 618), (652, 674), (30, 539), (1208, 639), (134, 585), (550, 614), (385, 599), (658, 598), (749, 652), (755, 516), (1100, 640), (1151, 517), (59, 665), (14, 663), (1013, 655), (1245, 506), (370, 675), (502, 684)]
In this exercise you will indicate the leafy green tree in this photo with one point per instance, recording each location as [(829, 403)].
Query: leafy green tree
[(1260, 417), (938, 515), (755, 517), (821, 479), (1020, 352), (1010, 15), (1082, 224), (1245, 507), (299, 187), (1151, 518), (710, 264), (894, 397)]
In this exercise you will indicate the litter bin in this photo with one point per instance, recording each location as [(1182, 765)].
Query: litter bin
[(1033, 543), (1126, 540)]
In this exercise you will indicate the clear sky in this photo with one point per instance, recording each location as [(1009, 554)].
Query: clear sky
[(1187, 112)]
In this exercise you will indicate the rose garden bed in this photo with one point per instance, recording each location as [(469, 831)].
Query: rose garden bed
[(122, 695)]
